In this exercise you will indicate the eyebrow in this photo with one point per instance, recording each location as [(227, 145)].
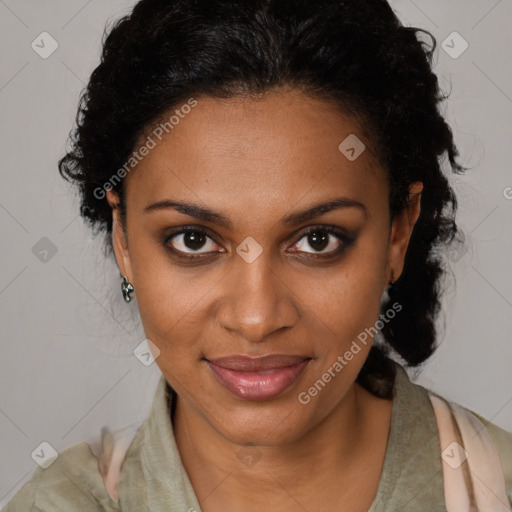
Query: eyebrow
[(293, 219)]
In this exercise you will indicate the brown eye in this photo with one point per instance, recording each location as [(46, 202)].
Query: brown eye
[(323, 241), (318, 240), (191, 241)]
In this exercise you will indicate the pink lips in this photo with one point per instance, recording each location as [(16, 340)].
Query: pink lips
[(257, 378)]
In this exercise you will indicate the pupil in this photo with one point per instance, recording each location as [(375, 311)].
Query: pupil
[(194, 240), (314, 239)]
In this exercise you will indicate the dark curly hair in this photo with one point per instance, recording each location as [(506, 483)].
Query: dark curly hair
[(355, 54)]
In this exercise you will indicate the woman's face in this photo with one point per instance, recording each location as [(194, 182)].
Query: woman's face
[(259, 284)]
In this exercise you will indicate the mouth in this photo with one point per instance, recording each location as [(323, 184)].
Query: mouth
[(257, 378)]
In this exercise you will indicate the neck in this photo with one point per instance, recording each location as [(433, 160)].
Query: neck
[(334, 448)]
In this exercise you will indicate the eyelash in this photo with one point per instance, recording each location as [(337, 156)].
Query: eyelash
[(345, 240)]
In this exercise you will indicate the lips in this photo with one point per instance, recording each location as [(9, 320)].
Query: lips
[(258, 364), (257, 378)]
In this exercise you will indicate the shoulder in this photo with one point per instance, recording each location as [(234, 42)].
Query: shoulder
[(503, 440), (71, 482), (487, 447)]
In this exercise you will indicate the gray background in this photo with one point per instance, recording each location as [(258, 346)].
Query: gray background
[(67, 366)]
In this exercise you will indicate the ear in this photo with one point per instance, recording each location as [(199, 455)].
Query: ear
[(119, 240), (401, 232)]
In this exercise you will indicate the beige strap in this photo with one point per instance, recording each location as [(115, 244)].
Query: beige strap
[(468, 447)]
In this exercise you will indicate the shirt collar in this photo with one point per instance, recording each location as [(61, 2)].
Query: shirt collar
[(153, 476)]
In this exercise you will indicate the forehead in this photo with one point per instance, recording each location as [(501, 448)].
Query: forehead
[(274, 148)]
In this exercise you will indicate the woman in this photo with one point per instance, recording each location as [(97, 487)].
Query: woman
[(268, 176)]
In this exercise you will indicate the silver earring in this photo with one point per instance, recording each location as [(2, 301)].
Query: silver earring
[(392, 278), (126, 288)]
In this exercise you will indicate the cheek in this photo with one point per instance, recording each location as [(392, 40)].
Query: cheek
[(339, 323), (169, 296), (170, 304), (342, 319), (347, 298)]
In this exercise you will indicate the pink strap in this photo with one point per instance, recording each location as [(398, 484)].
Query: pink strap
[(111, 457), (478, 453)]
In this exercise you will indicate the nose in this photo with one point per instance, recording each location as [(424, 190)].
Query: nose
[(256, 302)]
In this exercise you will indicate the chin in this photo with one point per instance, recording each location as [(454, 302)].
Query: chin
[(274, 425)]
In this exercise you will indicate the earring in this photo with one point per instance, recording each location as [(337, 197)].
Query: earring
[(126, 289), (392, 278)]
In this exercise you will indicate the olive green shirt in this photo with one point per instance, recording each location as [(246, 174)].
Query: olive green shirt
[(154, 479)]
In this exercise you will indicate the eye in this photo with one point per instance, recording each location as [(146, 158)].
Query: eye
[(190, 241), (325, 241)]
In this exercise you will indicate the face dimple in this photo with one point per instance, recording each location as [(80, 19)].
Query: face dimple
[(255, 163)]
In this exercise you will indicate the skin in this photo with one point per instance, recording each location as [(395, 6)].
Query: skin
[(256, 161)]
